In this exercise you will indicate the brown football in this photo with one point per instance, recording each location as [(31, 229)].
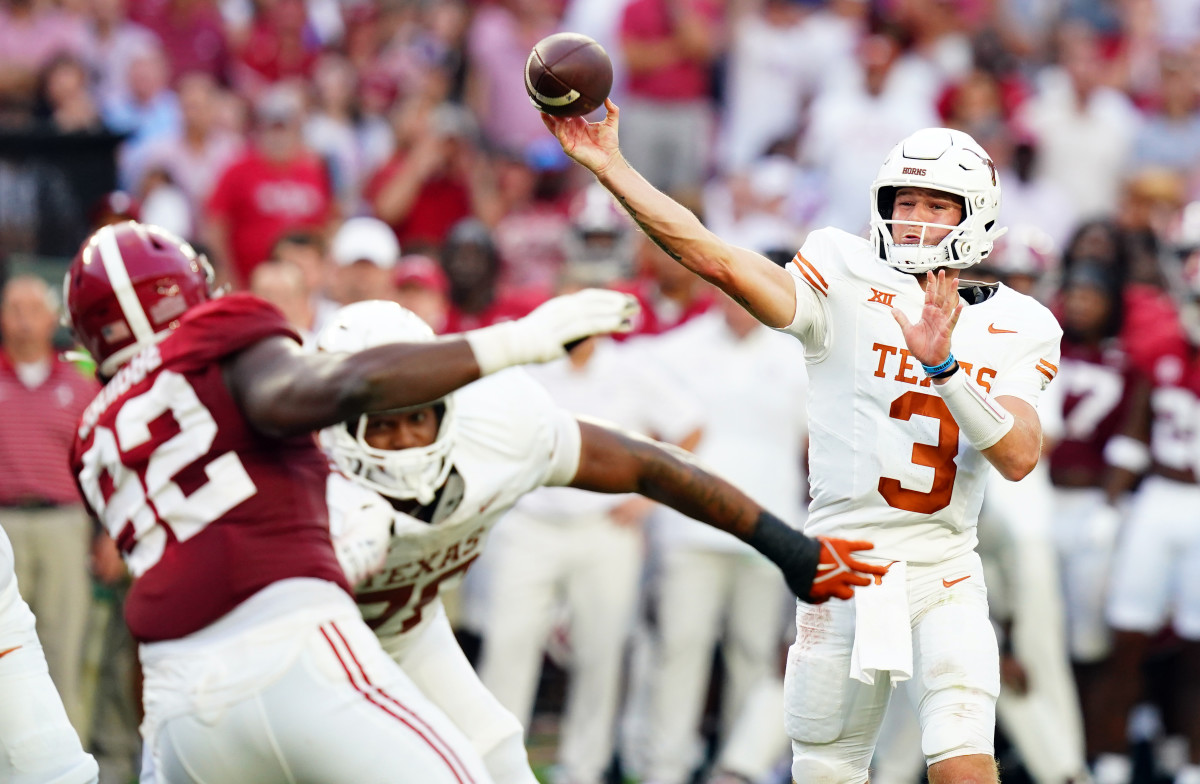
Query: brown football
[(568, 74)]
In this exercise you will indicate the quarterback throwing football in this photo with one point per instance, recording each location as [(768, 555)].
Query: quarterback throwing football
[(918, 382), (452, 468)]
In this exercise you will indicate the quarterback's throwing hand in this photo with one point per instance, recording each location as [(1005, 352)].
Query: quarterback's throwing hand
[(929, 339), (838, 572), (593, 145)]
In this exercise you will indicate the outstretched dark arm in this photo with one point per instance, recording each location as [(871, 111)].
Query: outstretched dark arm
[(613, 461), (285, 391)]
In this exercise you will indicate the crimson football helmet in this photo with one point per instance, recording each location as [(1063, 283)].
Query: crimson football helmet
[(127, 288)]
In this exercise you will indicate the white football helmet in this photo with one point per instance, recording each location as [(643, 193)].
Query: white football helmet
[(415, 473), (946, 160)]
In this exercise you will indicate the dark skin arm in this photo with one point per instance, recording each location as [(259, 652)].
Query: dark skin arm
[(612, 461), (284, 391)]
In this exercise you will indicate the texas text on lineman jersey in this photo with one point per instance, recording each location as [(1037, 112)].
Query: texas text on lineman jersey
[(206, 510), (510, 439), (886, 459)]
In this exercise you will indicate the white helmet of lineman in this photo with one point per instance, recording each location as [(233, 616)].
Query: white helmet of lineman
[(939, 159), (414, 473)]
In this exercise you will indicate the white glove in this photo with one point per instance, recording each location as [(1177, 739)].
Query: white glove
[(543, 334), (361, 540)]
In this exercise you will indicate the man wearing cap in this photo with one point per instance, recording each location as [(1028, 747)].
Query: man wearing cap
[(422, 287), (277, 185), (364, 252)]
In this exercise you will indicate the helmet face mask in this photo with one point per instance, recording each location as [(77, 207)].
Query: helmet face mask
[(950, 162), (415, 473)]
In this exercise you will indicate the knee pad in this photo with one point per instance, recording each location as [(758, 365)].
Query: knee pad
[(810, 768), (956, 722)]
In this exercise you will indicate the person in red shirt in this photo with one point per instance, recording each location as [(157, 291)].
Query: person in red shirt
[(278, 185), (669, 48), (276, 48), (197, 457), (436, 178)]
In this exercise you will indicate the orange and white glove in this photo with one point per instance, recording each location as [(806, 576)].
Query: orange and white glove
[(838, 572)]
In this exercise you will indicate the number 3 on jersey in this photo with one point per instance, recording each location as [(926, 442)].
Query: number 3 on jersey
[(124, 510), (939, 456)]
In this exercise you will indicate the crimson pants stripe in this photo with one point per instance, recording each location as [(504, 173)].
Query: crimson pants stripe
[(460, 767), (372, 699)]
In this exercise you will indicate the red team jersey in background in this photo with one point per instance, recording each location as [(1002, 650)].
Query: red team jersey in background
[(1097, 386), (206, 510)]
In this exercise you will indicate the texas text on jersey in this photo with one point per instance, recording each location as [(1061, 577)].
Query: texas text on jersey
[(225, 512), (509, 439), (887, 459)]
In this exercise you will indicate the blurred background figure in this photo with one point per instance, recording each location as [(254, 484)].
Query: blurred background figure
[(282, 283), (570, 559), (364, 253), (421, 286), (275, 186), (40, 509)]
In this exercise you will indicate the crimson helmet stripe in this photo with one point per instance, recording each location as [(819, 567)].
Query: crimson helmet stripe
[(122, 286)]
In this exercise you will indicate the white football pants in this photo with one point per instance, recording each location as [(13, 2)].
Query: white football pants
[(37, 742), (306, 696)]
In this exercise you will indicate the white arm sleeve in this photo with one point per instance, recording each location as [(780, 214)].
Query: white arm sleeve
[(565, 453), (811, 323)]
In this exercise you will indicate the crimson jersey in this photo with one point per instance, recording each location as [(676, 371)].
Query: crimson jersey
[(1175, 411), (1095, 386), (205, 509)]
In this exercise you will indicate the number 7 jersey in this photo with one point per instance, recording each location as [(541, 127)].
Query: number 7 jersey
[(886, 459)]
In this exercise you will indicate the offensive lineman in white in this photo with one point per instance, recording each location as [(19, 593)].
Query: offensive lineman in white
[(452, 468), (896, 454), (37, 742)]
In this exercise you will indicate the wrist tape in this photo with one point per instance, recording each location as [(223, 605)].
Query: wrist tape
[(982, 420), (499, 346)]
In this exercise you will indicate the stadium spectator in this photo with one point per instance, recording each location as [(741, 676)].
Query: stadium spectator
[(422, 287), (1084, 129), (148, 111), (282, 284), (858, 117), (436, 177), (65, 98), (669, 295), (115, 42), (531, 234), (276, 186), (33, 34), (472, 265), (196, 155), (278, 48), (309, 251), (364, 253), (499, 39), (669, 48), (1170, 135), (192, 34), (40, 508), (333, 130)]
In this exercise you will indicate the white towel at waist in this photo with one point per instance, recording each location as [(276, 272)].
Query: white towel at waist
[(882, 630)]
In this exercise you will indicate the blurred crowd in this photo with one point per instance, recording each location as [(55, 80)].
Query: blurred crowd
[(323, 152)]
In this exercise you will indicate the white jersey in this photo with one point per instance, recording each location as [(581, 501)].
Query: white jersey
[(887, 462), (510, 438)]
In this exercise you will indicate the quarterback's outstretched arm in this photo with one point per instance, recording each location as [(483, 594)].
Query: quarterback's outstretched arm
[(613, 461), (754, 281), (283, 390)]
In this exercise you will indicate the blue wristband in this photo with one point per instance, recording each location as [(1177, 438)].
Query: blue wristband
[(938, 369)]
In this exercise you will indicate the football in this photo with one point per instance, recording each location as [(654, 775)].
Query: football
[(568, 75)]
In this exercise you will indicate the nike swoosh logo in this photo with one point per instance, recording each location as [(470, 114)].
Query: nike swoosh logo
[(949, 583), (8, 651), (992, 328)]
